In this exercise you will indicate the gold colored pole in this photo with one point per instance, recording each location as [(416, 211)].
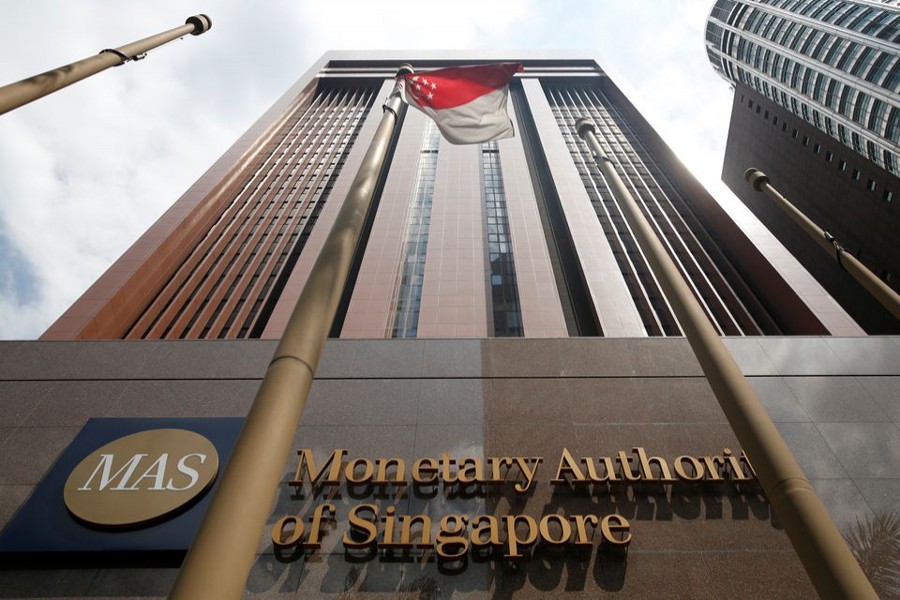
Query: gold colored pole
[(221, 556), (17, 94), (875, 286), (818, 543)]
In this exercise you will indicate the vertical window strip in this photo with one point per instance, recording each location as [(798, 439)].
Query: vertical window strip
[(712, 288), (656, 315), (269, 231), (229, 273), (507, 313), (229, 240), (659, 197), (418, 221), (261, 235), (319, 180), (642, 175)]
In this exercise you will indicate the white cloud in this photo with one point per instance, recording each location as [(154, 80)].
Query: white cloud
[(359, 24)]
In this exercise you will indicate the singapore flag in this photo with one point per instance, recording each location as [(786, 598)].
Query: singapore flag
[(468, 104)]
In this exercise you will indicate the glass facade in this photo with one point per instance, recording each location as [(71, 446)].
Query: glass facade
[(412, 269), (834, 63), (507, 314)]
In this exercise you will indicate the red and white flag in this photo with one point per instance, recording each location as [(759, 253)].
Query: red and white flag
[(468, 104)]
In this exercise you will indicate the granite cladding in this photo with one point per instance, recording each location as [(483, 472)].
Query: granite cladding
[(835, 400)]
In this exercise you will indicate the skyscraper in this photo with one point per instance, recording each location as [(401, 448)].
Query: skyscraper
[(817, 108), (516, 238), (499, 313)]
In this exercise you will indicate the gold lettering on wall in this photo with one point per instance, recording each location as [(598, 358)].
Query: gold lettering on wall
[(452, 536)]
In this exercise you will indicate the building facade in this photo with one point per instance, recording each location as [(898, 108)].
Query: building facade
[(832, 63), (817, 108), (539, 334), (513, 238)]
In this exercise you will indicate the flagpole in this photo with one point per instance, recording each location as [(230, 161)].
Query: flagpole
[(219, 560), (818, 543), (17, 94), (875, 286)]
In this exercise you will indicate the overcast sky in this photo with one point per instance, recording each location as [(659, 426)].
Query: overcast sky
[(85, 171)]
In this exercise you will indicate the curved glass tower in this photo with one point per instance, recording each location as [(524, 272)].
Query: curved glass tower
[(833, 63)]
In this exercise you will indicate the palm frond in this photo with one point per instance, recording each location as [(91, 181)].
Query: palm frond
[(875, 543)]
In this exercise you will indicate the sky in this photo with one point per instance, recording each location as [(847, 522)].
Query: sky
[(85, 171)]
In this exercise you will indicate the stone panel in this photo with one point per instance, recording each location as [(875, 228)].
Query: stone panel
[(503, 398)]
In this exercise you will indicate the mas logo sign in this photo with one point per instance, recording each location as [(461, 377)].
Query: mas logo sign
[(124, 487), (141, 477)]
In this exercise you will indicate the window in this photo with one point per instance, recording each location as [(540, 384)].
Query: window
[(855, 175), (794, 134), (871, 185), (504, 292), (806, 140), (842, 165), (774, 120), (828, 156), (412, 265), (887, 196), (816, 148)]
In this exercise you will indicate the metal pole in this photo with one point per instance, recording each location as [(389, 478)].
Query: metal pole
[(818, 543), (221, 556), (875, 286), (17, 94)]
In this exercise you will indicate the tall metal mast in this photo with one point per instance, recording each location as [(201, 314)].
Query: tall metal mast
[(17, 94)]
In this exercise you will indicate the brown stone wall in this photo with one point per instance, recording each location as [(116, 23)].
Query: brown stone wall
[(834, 399)]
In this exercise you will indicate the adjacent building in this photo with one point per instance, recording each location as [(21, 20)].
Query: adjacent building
[(498, 307), (817, 108)]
